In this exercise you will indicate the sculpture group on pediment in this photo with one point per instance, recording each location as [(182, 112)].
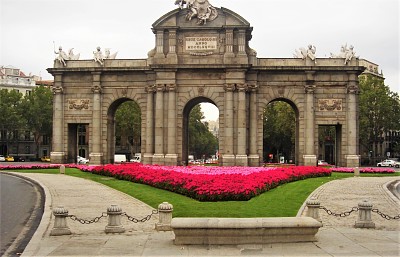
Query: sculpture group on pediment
[(346, 53), (201, 9), (62, 57), (304, 53)]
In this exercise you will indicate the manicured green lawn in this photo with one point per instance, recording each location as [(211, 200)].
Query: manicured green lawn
[(283, 201)]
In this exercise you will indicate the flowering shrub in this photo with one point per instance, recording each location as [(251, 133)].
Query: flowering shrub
[(210, 183), (364, 170)]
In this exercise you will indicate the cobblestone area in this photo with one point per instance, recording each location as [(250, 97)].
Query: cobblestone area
[(342, 195)]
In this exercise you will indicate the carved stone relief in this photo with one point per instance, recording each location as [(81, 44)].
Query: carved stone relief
[(78, 104), (326, 105)]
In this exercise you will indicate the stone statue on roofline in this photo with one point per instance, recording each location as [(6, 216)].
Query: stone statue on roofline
[(346, 53), (201, 9), (98, 56), (306, 53), (62, 57)]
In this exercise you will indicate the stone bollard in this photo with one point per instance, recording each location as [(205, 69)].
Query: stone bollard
[(62, 169), (60, 223), (356, 172), (313, 208), (114, 220), (165, 216), (364, 215)]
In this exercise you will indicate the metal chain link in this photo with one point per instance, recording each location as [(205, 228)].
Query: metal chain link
[(135, 220), (386, 216), (83, 221), (343, 214)]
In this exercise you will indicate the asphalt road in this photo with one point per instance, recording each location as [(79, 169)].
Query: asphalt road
[(20, 213)]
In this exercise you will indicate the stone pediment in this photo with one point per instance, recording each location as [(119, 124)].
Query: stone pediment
[(177, 18)]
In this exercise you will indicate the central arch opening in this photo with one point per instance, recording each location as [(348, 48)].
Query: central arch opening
[(280, 132), (200, 137), (124, 131)]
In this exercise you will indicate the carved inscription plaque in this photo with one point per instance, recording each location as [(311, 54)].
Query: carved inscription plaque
[(201, 43), (327, 105)]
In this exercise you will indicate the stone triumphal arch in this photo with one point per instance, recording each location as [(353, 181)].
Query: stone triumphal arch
[(203, 55)]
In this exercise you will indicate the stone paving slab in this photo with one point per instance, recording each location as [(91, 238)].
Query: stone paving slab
[(85, 198)]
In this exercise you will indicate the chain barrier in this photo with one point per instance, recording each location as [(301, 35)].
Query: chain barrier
[(355, 209), (343, 214), (385, 216), (83, 221), (135, 220), (104, 214)]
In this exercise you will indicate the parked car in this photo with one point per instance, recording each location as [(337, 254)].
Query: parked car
[(45, 159), (9, 159), (82, 160), (2, 158), (387, 163)]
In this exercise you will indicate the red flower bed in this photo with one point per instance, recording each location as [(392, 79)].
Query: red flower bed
[(209, 183)]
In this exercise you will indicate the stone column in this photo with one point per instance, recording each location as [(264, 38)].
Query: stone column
[(148, 155), (352, 157), (309, 157), (241, 155), (171, 158), (254, 158), (228, 157), (58, 154), (158, 157), (96, 155)]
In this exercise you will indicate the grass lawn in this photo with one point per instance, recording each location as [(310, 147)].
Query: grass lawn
[(283, 201)]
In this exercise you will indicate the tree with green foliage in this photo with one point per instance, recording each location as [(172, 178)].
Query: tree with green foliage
[(128, 126), (10, 120), (279, 130), (379, 111), (201, 140), (37, 113)]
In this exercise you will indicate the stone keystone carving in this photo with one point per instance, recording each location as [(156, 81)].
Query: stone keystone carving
[(306, 53), (201, 9)]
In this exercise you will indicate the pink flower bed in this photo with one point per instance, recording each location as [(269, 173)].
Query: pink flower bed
[(210, 183), (364, 170)]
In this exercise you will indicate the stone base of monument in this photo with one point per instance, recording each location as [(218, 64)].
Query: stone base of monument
[(235, 231)]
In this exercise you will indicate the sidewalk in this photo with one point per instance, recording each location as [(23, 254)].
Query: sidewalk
[(87, 199)]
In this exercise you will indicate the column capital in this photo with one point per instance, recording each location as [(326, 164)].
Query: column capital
[(229, 87), (160, 87), (253, 87), (353, 89), (170, 87), (58, 90), (242, 87), (151, 89), (309, 89), (96, 89)]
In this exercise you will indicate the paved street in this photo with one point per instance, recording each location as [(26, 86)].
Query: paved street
[(18, 212)]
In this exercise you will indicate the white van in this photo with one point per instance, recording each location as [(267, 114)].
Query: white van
[(119, 158)]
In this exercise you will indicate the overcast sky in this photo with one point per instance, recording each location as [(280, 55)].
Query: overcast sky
[(29, 27)]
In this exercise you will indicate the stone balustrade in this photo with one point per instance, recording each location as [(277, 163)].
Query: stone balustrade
[(234, 231)]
